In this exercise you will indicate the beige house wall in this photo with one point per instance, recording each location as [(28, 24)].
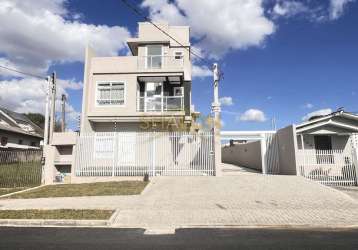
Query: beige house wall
[(245, 155), (287, 148)]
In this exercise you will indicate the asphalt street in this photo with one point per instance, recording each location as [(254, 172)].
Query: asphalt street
[(92, 238)]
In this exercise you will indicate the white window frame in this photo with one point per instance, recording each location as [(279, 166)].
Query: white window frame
[(146, 55), (111, 105)]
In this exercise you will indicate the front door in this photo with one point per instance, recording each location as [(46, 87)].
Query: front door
[(323, 146)]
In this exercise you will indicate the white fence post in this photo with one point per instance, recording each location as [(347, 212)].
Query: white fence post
[(153, 153), (355, 162)]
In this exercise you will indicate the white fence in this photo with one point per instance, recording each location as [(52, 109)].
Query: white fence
[(140, 153), (271, 157), (330, 167)]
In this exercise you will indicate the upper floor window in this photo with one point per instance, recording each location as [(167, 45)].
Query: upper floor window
[(110, 93), (154, 56), (178, 55)]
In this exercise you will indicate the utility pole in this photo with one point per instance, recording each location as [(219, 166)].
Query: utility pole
[(53, 106), (63, 120), (215, 106), (46, 125)]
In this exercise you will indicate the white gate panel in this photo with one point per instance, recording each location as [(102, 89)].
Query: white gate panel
[(140, 153)]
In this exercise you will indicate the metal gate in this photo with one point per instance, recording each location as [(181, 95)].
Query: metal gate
[(329, 167), (140, 153)]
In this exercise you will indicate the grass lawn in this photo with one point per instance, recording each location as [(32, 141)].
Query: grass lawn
[(57, 214), (86, 189), (9, 190)]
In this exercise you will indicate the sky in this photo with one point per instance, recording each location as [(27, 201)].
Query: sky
[(282, 60)]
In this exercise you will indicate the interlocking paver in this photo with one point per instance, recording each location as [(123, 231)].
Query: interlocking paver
[(241, 200)]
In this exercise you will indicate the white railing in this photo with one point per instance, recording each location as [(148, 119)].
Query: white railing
[(140, 153), (330, 167), (160, 62), (160, 104)]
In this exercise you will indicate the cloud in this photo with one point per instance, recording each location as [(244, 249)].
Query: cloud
[(308, 105), (316, 11), (337, 8), (200, 71), (252, 115), (320, 112), (226, 101), (289, 8), (238, 24), (36, 34), (28, 95)]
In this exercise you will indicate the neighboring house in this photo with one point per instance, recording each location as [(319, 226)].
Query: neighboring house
[(323, 148), (18, 132), (147, 90)]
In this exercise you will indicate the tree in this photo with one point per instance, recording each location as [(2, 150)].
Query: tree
[(37, 118)]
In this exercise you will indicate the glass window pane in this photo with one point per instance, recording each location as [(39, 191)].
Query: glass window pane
[(154, 50)]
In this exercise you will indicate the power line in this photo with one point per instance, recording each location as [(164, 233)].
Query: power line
[(23, 73), (139, 13)]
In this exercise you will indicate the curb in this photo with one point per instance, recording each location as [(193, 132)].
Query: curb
[(52, 223), (21, 191)]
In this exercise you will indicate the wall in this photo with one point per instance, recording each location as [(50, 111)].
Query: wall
[(287, 146), (13, 140), (246, 155)]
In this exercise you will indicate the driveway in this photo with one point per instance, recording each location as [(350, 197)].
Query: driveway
[(248, 199)]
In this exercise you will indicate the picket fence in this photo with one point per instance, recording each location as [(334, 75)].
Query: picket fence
[(20, 168), (329, 167), (140, 153)]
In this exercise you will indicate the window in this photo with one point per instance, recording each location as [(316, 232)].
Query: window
[(33, 144), (178, 55), (104, 147), (154, 56), (178, 91), (110, 93), (3, 141), (20, 142)]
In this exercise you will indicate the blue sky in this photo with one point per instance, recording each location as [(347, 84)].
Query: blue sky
[(282, 59)]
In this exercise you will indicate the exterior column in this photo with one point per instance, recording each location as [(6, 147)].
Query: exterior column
[(263, 153), (217, 122)]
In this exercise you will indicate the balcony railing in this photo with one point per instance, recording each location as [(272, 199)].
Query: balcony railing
[(160, 104), (160, 62)]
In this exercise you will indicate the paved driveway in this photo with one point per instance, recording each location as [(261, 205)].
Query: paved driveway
[(241, 200)]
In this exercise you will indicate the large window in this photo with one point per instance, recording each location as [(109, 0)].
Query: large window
[(110, 93), (154, 56)]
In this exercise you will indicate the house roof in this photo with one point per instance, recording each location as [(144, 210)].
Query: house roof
[(14, 121), (341, 120)]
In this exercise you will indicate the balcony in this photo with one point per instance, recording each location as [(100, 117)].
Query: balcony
[(160, 104), (160, 62)]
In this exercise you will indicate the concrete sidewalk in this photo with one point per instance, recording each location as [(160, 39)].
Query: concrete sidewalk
[(242, 200)]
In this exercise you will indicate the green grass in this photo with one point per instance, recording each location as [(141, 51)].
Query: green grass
[(9, 190), (86, 189), (20, 175), (65, 214)]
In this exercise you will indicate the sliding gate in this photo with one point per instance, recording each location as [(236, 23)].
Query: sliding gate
[(140, 153)]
